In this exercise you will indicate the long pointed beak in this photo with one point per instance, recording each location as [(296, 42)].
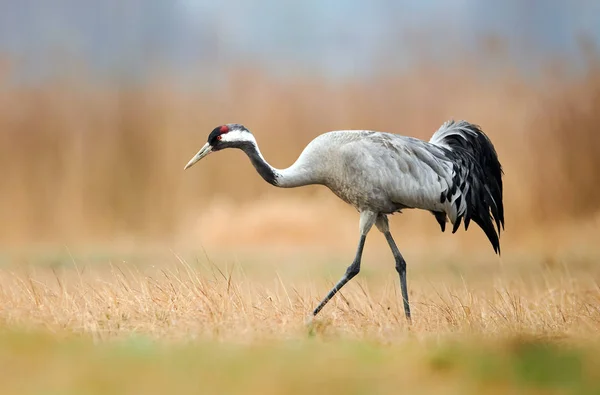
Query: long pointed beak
[(207, 149)]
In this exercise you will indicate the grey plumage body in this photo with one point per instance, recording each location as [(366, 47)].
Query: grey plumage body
[(456, 175), (376, 171)]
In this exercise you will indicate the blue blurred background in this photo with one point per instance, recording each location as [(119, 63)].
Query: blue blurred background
[(342, 39)]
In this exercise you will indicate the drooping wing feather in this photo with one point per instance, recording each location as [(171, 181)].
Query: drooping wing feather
[(478, 174)]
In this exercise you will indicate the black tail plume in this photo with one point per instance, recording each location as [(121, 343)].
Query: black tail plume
[(477, 175)]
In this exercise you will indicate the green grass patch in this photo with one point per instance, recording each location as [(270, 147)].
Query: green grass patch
[(40, 363)]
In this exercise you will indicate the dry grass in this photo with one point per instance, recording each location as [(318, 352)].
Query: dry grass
[(76, 326), (220, 302)]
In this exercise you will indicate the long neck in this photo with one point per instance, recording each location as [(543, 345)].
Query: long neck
[(294, 176)]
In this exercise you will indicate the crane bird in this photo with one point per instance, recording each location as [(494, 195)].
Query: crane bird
[(455, 176)]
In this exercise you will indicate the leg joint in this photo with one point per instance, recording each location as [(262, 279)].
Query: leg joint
[(400, 265), (352, 270)]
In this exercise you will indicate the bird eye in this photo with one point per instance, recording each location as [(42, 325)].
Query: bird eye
[(219, 137)]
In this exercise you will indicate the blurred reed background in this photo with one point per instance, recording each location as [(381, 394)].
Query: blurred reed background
[(101, 106)]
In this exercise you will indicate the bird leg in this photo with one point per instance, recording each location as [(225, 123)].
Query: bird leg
[(383, 225), (367, 219), (352, 271), (401, 269)]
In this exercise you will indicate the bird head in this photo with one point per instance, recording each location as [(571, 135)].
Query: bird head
[(231, 135)]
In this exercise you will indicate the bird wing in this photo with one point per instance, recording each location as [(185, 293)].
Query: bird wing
[(405, 171), (414, 172)]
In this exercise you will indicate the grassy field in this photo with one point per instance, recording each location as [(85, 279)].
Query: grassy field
[(126, 323), (98, 167)]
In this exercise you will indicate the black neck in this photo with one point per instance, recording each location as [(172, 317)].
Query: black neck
[(261, 166)]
